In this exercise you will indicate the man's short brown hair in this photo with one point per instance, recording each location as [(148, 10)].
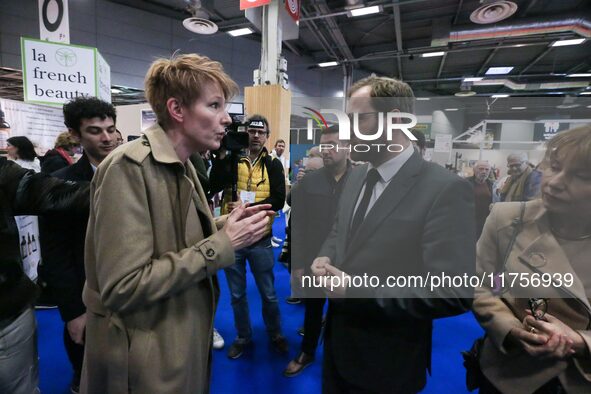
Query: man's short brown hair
[(391, 93), (183, 77)]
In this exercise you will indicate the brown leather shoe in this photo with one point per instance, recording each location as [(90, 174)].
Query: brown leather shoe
[(297, 365)]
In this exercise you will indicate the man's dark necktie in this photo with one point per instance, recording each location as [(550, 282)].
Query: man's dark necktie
[(370, 181)]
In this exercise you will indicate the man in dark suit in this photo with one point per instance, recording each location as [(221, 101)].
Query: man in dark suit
[(92, 122), (399, 217), (314, 200)]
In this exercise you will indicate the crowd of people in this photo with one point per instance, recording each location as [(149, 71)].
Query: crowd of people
[(131, 246)]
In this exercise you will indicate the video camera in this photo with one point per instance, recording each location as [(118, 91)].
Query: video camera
[(236, 138)]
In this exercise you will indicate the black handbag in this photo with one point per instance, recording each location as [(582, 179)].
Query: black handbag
[(474, 375)]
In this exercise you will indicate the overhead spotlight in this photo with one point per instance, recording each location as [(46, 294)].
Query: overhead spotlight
[(365, 11), (432, 54), (563, 43), (328, 64), (473, 79), (240, 32), (498, 70)]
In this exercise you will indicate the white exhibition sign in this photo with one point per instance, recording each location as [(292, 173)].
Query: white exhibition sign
[(54, 24), (55, 73), (442, 143), (103, 73), (39, 123)]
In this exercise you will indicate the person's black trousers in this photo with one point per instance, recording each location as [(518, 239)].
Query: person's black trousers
[(312, 324), (75, 354)]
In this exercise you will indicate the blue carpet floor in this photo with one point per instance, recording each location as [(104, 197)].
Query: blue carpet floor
[(260, 371)]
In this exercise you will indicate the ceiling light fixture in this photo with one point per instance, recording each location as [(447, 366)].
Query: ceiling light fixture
[(498, 70), (432, 54), (500, 95), (579, 75), (451, 109), (585, 93), (240, 32), (563, 43), (473, 79), (422, 98), (518, 107), (328, 64), (365, 11)]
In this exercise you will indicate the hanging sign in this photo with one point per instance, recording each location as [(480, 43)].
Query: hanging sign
[(293, 9), (54, 24), (55, 73)]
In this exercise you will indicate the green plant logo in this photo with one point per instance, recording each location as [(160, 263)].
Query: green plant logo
[(66, 57)]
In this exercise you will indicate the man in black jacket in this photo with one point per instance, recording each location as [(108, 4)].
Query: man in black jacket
[(314, 201), (92, 122), (22, 192)]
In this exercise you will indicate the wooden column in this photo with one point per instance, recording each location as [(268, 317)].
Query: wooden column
[(274, 103)]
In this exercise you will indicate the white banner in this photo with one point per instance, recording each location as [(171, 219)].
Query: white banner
[(57, 73), (103, 76), (54, 24), (28, 230), (39, 123), (442, 143)]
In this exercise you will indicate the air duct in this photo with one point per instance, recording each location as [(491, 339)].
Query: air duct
[(569, 23), (532, 86)]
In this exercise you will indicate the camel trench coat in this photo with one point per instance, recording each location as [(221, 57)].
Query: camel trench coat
[(152, 251), (535, 251)]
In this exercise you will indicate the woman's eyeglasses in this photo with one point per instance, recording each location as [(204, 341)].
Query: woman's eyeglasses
[(538, 307)]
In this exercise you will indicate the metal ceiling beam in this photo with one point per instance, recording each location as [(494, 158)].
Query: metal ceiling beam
[(334, 31), (579, 67), (398, 31), (384, 5), (488, 59), (537, 59), (319, 36), (455, 20), (526, 10), (441, 66), (292, 48)]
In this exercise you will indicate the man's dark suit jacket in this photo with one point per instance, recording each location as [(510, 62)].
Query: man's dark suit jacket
[(314, 202), (62, 249), (380, 339)]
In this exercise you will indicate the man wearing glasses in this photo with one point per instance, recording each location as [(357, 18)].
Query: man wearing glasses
[(261, 180), (523, 183)]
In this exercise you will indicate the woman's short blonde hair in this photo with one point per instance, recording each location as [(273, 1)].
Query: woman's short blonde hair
[(65, 140), (572, 148), (183, 77)]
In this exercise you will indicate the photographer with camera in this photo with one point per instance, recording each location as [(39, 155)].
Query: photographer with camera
[(259, 180)]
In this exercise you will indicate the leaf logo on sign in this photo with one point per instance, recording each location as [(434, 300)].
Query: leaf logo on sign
[(66, 57)]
